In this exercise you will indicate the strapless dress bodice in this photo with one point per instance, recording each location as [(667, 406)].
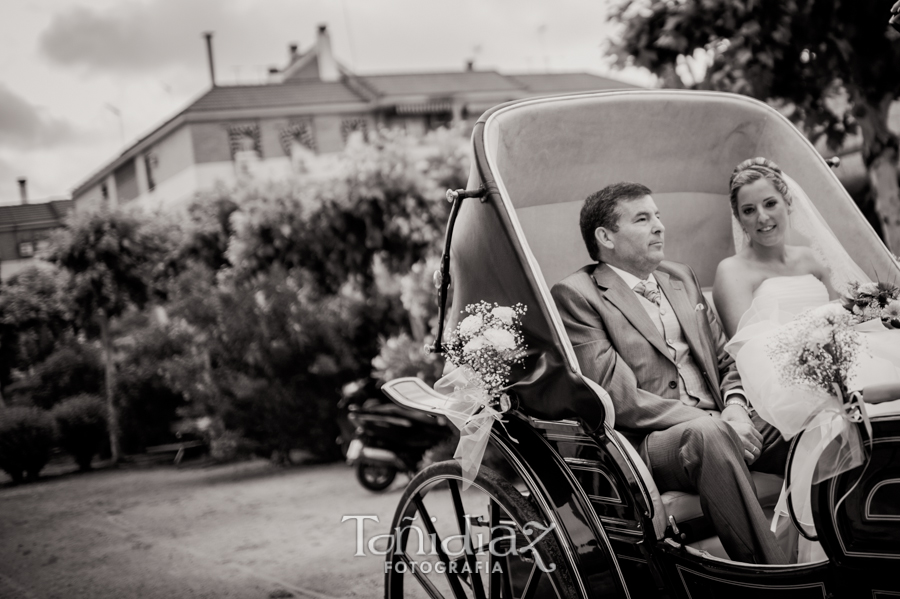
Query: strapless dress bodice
[(791, 294)]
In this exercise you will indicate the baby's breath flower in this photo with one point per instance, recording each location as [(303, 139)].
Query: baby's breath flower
[(816, 350)]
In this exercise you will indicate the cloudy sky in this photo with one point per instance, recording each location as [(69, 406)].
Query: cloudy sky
[(81, 79)]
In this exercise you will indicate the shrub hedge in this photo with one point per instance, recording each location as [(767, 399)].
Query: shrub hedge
[(81, 422), (27, 436)]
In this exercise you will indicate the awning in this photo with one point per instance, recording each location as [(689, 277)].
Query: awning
[(424, 108)]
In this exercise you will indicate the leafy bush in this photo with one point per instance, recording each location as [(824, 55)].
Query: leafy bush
[(404, 356), (81, 422), (147, 401), (27, 436), (70, 370)]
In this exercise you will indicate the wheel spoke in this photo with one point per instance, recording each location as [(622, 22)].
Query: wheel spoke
[(474, 576), (504, 573), (423, 580), (458, 592), (496, 574), (531, 585), (507, 581)]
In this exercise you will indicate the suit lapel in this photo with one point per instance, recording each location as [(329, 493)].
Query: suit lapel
[(617, 292), (687, 317)]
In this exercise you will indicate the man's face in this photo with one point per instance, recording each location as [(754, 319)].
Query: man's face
[(637, 246)]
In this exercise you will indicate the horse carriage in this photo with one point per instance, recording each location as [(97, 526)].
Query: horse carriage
[(570, 510)]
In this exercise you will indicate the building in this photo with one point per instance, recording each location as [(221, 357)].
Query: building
[(312, 105), (25, 230)]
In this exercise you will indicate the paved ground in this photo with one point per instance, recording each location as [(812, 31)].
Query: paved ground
[(246, 530)]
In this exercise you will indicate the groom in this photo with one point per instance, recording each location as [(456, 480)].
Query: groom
[(641, 329)]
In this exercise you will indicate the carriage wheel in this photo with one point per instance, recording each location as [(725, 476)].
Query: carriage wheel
[(487, 542)]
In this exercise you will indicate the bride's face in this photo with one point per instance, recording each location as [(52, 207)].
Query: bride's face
[(763, 213)]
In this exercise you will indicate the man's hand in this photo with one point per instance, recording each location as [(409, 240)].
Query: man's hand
[(751, 439)]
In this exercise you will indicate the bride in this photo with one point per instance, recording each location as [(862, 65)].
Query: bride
[(762, 287)]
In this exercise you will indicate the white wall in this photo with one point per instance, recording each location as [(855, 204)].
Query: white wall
[(10, 267)]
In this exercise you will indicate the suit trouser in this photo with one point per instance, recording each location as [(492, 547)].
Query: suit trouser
[(705, 456)]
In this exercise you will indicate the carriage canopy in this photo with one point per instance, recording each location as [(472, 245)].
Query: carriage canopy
[(539, 159)]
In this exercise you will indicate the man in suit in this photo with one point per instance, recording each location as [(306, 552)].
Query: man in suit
[(642, 329)]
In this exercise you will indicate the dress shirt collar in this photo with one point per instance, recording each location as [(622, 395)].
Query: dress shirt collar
[(629, 278)]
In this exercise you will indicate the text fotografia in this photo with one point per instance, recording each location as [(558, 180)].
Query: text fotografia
[(502, 541)]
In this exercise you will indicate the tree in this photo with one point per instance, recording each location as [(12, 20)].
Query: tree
[(832, 64), (35, 313), (282, 291), (377, 204), (112, 258)]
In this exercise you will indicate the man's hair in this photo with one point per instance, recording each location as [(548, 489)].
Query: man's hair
[(600, 209)]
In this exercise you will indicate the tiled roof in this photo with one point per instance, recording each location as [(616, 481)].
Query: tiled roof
[(27, 214), (274, 95), (550, 83), (441, 83)]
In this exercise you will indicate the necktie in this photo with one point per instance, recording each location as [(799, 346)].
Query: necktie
[(649, 290)]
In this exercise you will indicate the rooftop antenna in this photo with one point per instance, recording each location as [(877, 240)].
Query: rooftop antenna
[(115, 110), (209, 53)]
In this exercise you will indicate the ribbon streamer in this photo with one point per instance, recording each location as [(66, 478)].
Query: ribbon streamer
[(831, 444), (468, 408)]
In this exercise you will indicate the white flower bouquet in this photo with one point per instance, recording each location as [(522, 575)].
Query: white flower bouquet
[(489, 341), (486, 345), (818, 349)]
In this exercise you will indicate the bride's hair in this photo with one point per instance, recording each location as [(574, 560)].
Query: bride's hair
[(752, 170)]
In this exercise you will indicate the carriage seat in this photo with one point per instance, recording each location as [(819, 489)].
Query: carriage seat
[(685, 507)]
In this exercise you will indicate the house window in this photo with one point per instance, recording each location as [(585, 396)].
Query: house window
[(104, 191), (150, 164), (350, 126), (244, 139), (26, 249), (245, 148), (299, 142), (298, 132)]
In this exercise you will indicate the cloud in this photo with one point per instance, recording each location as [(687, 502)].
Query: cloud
[(131, 36), (25, 126)]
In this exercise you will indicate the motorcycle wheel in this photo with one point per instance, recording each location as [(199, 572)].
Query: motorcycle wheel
[(375, 477), (503, 555)]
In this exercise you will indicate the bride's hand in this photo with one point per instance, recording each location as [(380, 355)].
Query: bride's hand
[(751, 439)]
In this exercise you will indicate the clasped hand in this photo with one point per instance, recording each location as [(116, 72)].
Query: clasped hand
[(751, 439)]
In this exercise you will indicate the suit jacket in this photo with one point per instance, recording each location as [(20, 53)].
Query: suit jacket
[(619, 347)]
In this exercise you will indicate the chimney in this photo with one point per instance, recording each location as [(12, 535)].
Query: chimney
[(275, 75), (23, 189), (209, 54), (292, 53), (328, 69), (470, 65)]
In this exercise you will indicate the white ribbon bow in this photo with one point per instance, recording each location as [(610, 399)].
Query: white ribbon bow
[(468, 407)]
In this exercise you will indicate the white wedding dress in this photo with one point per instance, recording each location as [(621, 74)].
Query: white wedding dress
[(791, 409)]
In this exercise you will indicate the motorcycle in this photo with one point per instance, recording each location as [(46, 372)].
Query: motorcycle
[(388, 439)]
